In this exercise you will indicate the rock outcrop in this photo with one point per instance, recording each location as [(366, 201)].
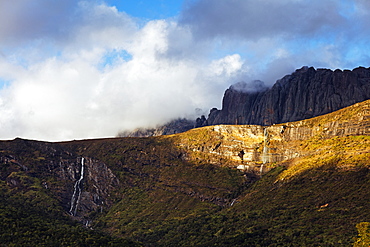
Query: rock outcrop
[(58, 170), (304, 94), (253, 147)]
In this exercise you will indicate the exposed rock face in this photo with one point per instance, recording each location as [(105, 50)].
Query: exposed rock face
[(253, 147), (304, 94), (58, 170), (98, 182), (173, 127)]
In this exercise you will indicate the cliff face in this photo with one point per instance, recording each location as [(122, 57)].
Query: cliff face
[(252, 148), (81, 185), (304, 94)]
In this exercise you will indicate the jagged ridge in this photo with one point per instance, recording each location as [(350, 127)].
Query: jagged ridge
[(304, 94)]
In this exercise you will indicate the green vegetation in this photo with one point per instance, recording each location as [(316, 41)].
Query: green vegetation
[(310, 201), (31, 217)]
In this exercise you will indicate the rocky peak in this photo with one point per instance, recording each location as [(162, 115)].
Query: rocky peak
[(306, 93)]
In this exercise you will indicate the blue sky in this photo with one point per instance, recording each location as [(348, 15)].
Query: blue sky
[(76, 69), (149, 10)]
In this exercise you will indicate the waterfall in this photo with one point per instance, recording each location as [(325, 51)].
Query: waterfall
[(77, 191)]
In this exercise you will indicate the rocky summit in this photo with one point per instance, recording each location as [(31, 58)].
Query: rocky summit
[(306, 93)]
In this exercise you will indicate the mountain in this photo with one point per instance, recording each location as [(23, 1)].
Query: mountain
[(301, 183), (306, 93)]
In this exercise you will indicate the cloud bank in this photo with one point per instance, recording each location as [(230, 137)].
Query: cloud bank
[(275, 37), (253, 20), (74, 70)]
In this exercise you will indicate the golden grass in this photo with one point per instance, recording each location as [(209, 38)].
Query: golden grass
[(341, 152)]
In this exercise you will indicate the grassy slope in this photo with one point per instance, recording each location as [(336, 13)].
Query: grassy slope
[(159, 190), (30, 214), (312, 201)]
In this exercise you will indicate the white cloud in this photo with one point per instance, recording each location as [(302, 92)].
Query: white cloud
[(95, 71), (258, 29), (72, 95), (227, 66)]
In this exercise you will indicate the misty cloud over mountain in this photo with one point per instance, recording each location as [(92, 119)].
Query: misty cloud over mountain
[(84, 69)]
